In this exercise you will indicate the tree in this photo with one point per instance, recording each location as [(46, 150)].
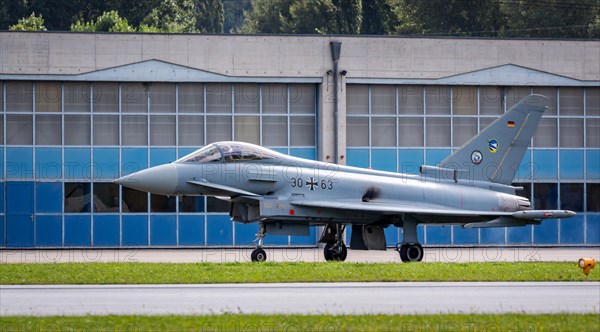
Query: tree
[(31, 23), (266, 16), (378, 18), (348, 16), (108, 21), (449, 17), (11, 11), (172, 16), (209, 16), (551, 19), (311, 16)]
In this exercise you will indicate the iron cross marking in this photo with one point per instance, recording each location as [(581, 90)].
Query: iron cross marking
[(311, 183)]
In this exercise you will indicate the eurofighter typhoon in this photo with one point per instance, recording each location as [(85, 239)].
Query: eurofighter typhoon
[(287, 195)]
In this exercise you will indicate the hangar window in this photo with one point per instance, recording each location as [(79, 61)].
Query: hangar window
[(410, 132), (77, 129), (191, 204), (437, 99), (302, 99), (19, 96), (438, 132), (464, 100), (410, 99), (357, 99), (191, 97), (191, 130), (105, 97), (134, 97), (274, 98), (218, 128), (592, 138), (48, 97), (134, 200), (545, 196), (160, 203), (19, 129), (247, 98), (571, 101), (592, 101), (514, 94), (106, 197), (546, 134), (48, 129), (571, 196), (106, 129), (383, 99), (218, 98), (571, 133), (490, 100), (77, 97), (162, 130), (162, 98), (77, 197), (274, 131), (551, 93), (464, 129), (593, 201), (134, 130)]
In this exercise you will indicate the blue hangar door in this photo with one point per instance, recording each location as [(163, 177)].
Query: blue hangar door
[(19, 214)]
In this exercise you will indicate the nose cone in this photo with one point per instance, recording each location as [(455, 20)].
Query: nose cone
[(161, 179)]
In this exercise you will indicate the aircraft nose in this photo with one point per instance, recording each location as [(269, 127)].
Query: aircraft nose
[(161, 179)]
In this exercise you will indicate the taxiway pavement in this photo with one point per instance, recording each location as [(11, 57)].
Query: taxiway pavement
[(301, 298), (432, 254)]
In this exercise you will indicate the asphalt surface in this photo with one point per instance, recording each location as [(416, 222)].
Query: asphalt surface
[(300, 298), (432, 254)]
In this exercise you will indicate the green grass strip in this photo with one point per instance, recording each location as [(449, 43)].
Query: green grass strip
[(472, 323), (201, 273)]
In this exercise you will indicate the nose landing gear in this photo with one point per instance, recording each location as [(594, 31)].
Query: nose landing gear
[(259, 254)]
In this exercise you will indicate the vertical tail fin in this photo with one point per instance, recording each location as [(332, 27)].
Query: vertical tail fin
[(496, 152)]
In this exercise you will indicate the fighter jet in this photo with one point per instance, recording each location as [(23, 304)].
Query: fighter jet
[(287, 195)]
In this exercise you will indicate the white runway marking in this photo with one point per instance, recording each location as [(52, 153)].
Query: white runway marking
[(303, 298)]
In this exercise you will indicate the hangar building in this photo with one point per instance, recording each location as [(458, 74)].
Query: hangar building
[(81, 109)]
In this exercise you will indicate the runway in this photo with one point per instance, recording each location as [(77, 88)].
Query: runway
[(302, 298)]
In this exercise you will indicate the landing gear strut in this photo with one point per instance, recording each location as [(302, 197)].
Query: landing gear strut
[(410, 249), (259, 254), (335, 249)]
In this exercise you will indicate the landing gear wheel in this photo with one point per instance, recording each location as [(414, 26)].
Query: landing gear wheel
[(258, 255), (411, 252), (335, 254)]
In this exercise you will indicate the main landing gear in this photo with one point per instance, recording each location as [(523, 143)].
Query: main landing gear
[(335, 249), (410, 249), (259, 254)]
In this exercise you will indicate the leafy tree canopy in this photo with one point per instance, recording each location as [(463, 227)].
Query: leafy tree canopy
[(31, 23)]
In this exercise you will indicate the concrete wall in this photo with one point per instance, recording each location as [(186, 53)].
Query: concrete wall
[(293, 56)]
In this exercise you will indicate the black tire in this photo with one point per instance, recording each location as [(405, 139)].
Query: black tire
[(411, 252), (258, 255), (332, 255)]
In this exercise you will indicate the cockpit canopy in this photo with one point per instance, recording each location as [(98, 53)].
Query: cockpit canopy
[(228, 152)]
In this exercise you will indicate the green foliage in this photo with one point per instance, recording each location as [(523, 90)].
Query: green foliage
[(378, 18), (551, 19), (108, 22), (310, 16), (172, 16), (209, 16), (31, 23), (349, 323), (348, 16)]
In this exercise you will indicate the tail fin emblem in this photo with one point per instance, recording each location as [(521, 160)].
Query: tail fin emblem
[(493, 145), (476, 157)]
